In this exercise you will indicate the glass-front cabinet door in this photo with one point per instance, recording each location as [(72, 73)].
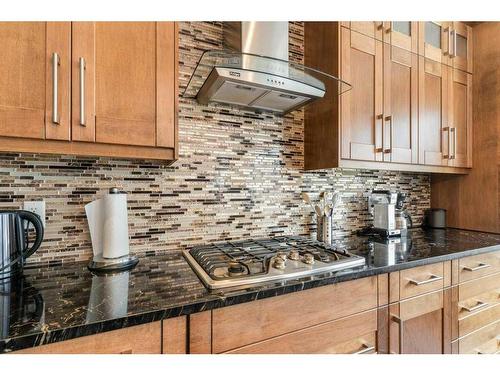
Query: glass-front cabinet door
[(401, 34), (461, 47), (435, 41)]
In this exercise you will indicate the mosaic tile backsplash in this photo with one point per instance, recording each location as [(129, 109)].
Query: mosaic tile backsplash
[(239, 175)]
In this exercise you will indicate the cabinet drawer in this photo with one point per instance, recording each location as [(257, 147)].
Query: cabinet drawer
[(481, 341), (354, 334), (141, 339), (420, 280), (479, 303), (247, 323), (476, 266)]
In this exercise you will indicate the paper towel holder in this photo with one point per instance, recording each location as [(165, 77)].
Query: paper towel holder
[(100, 264)]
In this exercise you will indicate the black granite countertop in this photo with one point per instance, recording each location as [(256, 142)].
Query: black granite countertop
[(55, 303)]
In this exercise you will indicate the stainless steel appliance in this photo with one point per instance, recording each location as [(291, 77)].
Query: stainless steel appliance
[(435, 218), (15, 240), (249, 262), (403, 218), (253, 71), (382, 204)]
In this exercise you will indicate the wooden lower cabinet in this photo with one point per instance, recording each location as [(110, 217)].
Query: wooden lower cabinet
[(167, 337), (421, 325), (478, 311), (356, 334)]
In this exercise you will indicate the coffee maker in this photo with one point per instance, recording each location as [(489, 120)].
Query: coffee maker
[(382, 204)]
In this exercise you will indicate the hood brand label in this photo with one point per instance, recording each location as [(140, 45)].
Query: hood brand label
[(234, 74)]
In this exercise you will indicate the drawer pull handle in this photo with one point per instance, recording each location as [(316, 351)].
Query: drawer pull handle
[(55, 85), (478, 306), (82, 91), (365, 349), (429, 280), (477, 268)]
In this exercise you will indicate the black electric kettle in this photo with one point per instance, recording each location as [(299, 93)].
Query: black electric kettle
[(14, 240)]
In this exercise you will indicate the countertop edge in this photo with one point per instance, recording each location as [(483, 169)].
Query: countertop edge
[(219, 301)]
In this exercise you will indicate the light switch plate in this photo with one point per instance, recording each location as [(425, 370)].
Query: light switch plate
[(37, 207)]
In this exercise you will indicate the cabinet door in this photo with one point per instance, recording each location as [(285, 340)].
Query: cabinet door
[(421, 325), (29, 81), (400, 130), (435, 41), (373, 29), (461, 56), (402, 34), (460, 112), (433, 128), (129, 86), (361, 107)]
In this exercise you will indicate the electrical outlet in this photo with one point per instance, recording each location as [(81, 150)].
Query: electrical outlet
[(37, 207)]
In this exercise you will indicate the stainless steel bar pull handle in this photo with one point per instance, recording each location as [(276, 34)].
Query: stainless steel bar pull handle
[(478, 306), (449, 42), (454, 143), (388, 150), (365, 348), (454, 43), (429, 280), (82, 91), (477, 268), (55, 84), (451, 141)]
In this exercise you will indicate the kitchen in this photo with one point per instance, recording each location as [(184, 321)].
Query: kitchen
[(126, 125)]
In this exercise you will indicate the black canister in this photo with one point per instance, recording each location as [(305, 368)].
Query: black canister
[(435, 218)]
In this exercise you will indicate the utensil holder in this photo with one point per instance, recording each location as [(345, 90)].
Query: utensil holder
[(324, 229)]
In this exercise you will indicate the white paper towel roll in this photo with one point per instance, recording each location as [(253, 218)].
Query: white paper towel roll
[(115, 228), (108, 225)]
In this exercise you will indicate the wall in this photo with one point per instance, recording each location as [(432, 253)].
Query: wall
[(239, 175)]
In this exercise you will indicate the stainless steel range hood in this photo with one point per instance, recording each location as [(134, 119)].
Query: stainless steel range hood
[(253, 71)]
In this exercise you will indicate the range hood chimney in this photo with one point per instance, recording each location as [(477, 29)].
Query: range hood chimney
[(253, 71)]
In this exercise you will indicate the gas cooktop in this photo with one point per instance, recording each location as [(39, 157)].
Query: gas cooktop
[(242, 263)]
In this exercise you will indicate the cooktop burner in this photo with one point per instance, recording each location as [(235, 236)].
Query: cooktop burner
[(230, 264)]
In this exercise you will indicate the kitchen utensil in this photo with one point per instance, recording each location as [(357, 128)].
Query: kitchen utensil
[(14, 240), (306, 198)]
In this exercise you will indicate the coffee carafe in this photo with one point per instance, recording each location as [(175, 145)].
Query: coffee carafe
[(15, 245)]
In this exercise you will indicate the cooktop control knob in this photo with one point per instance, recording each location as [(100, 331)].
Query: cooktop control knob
[(279, 263), (308, 258), (281, 254), (294, 255)]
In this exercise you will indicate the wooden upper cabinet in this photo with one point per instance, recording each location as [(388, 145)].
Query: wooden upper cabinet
[(29, 81), (434, 131), (461, 56), (361, 107), (402, 34), (373, 29), (128, 74), (400, 122), (460, 118), (435, 41)]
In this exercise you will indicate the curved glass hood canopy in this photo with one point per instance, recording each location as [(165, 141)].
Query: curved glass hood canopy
[(258, 82)]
